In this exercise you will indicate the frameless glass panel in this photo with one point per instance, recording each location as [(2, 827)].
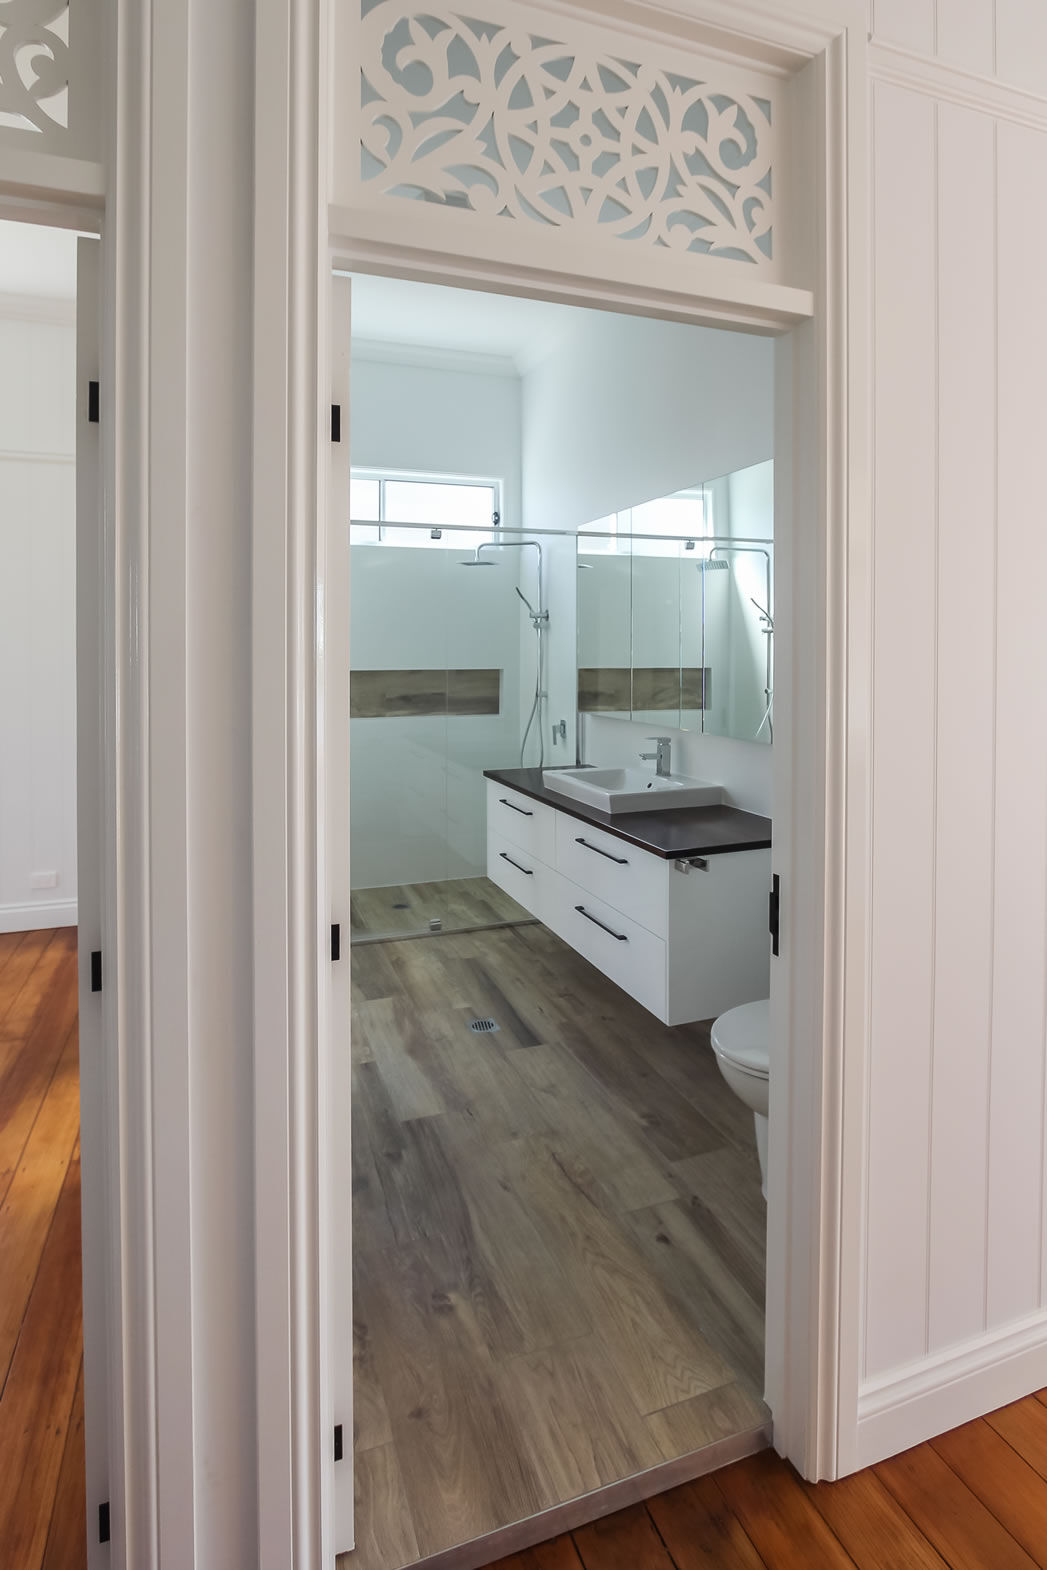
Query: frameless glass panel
[(398, 737), (606, 541), (436, 647)]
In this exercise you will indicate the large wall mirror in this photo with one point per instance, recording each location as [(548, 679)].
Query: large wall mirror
[(676, 609)]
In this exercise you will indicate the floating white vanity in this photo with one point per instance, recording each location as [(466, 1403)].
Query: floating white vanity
[(672, 905)]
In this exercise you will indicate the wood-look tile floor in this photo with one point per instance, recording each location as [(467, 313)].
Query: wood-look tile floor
[(459, 904), (975, 1499), (558, 1240)]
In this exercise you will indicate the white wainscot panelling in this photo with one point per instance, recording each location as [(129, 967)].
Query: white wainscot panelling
[(37, 693), (516, 116), (1021, 44), (965, 725), (966, 35), (998, 40), (909, 24), (902, 969), (955, 1256), (1016, 1147)]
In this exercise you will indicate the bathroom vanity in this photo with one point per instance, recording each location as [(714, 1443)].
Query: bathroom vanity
[(671, 905)]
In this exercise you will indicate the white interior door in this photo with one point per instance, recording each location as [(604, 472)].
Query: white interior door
[(90, 837), (333, 882)]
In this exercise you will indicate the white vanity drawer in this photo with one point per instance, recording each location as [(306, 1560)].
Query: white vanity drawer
[(519, 873), (521, 819), (626, 952), (633, 881)]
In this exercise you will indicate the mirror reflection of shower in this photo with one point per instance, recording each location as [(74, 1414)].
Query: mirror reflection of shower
[(766, 627), (539, 621)]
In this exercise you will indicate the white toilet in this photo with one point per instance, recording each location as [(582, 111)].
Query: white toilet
[(741, 1040)]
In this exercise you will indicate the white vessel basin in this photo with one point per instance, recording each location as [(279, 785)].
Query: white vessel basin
[(631, 790)]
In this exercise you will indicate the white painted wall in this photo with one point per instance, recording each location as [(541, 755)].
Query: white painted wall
[(955, 1256), (627, 409), (37, 615), (417, 803), (437, 417)]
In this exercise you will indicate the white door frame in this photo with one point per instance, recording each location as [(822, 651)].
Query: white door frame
[(812, 1325)]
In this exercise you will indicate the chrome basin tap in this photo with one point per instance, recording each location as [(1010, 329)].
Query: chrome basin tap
[(663, 757)]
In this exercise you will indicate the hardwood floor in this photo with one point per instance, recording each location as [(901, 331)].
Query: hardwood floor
[(458, 904), (975, 1499), (558, 1237), (42, 1508)]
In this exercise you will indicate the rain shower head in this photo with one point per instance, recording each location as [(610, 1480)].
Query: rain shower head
[(714, 564)]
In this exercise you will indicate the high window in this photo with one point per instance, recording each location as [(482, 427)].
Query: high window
[(454, 512)]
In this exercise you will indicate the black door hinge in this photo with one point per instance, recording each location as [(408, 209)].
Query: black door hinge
[(336, 941), (336, 422), (96, 970), (92, 403), (338, 1441), (774, 912), (103, 1522)]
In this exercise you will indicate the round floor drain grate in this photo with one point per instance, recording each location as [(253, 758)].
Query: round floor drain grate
[(483, 1027)]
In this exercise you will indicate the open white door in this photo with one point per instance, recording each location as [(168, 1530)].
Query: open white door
[(91, 839), (332, 729)]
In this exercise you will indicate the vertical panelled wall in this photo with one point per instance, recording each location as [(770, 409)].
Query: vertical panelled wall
[(1002, 39), (955, 1252)]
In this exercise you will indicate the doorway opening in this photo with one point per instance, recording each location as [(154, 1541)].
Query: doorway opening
[(42, 1503), (558, 1223)]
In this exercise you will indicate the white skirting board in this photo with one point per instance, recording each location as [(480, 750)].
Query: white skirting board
[(42, 913), (951, 1387)]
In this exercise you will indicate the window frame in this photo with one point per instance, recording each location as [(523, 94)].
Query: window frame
[(386, 476)]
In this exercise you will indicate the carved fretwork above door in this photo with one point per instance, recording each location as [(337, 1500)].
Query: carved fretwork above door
[(509, 126)]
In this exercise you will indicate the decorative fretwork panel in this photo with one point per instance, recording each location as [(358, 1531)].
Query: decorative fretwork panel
[(49, 53), (477, 111)]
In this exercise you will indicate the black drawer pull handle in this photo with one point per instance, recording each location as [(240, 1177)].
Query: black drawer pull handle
[(521, 810), (623, 861), (528, 872), (597, 923)]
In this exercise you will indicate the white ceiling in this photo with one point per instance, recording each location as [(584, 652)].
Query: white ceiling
[(37, 261), (392, 311)]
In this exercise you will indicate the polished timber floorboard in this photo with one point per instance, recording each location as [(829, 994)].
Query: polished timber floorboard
[(458, 904), (42, 1507), (975, 1499), (558, 1240)]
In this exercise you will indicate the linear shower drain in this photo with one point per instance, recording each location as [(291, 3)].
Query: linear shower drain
[(483, 1027)]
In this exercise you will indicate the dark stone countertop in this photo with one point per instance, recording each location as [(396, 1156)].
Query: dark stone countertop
[(676, 832)]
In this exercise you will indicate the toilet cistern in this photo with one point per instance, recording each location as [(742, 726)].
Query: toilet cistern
[(663, 757)]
